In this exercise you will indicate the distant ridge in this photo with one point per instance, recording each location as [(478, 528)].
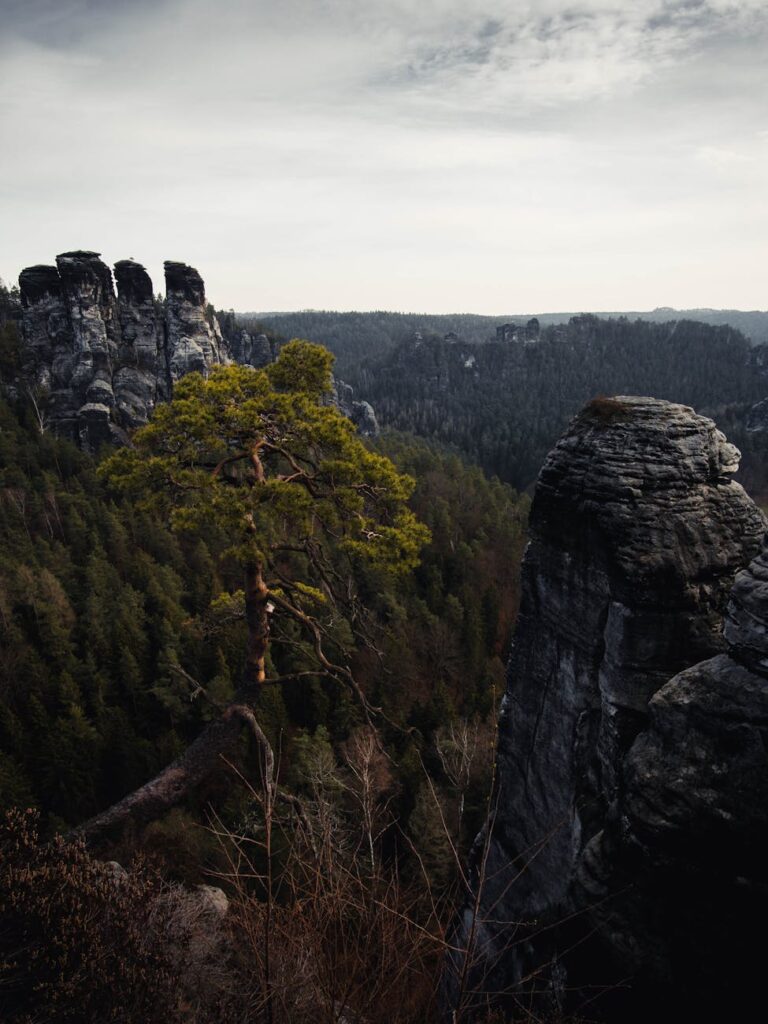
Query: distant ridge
[(753, 323), (353, 335)]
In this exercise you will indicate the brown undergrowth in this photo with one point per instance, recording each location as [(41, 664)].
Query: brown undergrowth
[(333, 915)]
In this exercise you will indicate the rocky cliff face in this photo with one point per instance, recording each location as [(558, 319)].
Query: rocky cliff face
[(361, 413), (69, 326), (141, 378), (193, 342), (99, 360), (252, 350), (97, 363), (621, 769)]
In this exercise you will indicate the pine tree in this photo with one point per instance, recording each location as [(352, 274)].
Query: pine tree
[(261, 459)]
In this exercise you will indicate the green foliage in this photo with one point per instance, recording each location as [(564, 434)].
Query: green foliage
[(354, 336), (450, 623), (256, 455), (96, 600), (101, 604), (10, 340)]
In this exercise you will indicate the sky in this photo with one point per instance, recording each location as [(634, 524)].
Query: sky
[(488, 156)]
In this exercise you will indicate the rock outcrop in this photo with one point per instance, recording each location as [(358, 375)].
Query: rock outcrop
[(141, 378), (70, 330), (361, 413), (252, 350), (192, 337), (630, 831), (96, 363), (526, 333), (100, 361)]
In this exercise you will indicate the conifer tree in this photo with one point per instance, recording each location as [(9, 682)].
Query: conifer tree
[(261, 459)]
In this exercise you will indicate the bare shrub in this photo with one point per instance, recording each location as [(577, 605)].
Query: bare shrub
[(73, 934), (85, 941)]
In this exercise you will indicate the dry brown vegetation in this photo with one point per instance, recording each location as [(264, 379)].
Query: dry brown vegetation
[(332, 914)]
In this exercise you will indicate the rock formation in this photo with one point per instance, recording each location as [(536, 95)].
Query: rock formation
[(193, 338), (141, 378), (518, 332), (70, 330), (361, 413), (629, 833), (252, 350), (96, 363), (101, 361)]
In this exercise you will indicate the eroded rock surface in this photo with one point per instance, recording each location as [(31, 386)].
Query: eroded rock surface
[(252, 350), (141, 378), (96, 363), (612, 774), (360, 412), (193, 339), (71, 333)]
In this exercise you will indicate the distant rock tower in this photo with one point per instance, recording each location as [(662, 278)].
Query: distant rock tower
[(100, 361), (103, 360)]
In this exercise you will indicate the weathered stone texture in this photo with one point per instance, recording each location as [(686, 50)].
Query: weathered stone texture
[(192, 342), (99, 363), (141, 378), (606, 764), (361, 413)]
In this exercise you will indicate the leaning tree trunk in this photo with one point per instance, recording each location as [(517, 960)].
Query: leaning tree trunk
[(218, 740), (198, 762)]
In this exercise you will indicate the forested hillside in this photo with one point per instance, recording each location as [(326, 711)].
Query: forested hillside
[(504, 404), (106, 615), (338, 816), (354, 336)]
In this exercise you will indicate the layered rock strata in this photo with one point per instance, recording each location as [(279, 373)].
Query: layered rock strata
[(142, 377), (192, 335), (678, 885), (71, 334), (96, 363), (612, 774), (100, 361)]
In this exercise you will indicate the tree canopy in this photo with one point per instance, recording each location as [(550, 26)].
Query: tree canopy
[(262, 455), (264, 460)]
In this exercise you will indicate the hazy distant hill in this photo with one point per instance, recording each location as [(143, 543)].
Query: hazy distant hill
[(354, 335)]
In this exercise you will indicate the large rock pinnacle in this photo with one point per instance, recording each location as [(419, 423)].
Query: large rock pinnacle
[(100, 362), (141, 379), (97, 363), (192, 342), (637, 533)]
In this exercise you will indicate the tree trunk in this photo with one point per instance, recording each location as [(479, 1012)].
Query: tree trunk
[(257, 619), (198, 762), (217, 740)]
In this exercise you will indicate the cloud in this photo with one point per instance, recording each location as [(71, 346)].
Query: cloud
[(422, 154)]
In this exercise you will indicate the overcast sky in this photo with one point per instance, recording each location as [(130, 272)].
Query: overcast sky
[(429, 155)]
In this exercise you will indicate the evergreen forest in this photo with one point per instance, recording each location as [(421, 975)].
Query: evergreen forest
[(336, 828)]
